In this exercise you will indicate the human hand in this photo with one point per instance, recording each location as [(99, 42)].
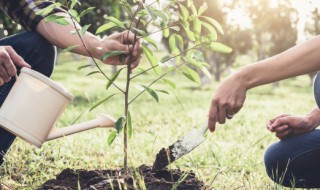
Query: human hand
[(227, 101), (123, 41), (286, 125), (7, 59)]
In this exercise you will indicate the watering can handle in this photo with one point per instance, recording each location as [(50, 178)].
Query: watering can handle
[(101, 120)]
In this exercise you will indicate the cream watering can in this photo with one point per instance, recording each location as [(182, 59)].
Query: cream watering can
[(33, 106)]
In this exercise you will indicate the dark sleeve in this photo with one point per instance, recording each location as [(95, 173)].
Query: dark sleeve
[(24, 11)]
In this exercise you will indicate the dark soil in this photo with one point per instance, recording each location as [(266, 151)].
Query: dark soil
[(163, 158), (139, 178)]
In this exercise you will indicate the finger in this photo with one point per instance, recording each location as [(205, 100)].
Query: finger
[(230, 114), (128, 37), (1, 82), (279, 116), (280, 129), (269, 125), (137, 49), (222, 115), (279, 122), (135, 63), (17, 59), (6, 60), (284, 134), (213, 116), (3, 73)]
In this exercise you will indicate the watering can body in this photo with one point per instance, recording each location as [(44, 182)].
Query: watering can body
[(34, 105)]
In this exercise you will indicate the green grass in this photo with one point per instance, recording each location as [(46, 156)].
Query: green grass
[(230, 158)]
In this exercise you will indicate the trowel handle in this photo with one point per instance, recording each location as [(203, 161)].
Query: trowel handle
[(203, 128)]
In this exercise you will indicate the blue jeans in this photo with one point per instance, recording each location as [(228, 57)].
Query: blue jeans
[(295, 161), (38, 53)]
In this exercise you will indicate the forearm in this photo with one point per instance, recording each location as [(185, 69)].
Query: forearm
[(301, 59), (62, 36)]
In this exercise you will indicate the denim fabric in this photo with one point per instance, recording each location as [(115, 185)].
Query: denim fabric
[(295, 161), (38, 53)]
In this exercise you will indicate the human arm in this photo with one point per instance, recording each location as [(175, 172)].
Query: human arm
[(90, 45), (231, 93), (286, 125), (27, 14)]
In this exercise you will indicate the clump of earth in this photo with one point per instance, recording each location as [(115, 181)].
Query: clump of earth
[(139, 178)]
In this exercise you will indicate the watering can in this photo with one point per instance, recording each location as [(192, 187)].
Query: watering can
[(33, 106)]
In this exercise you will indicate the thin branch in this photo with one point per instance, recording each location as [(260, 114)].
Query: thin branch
[(185, 51), (163, 75), (160, 30)]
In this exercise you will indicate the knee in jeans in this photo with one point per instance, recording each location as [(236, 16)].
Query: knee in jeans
[(277, 165)]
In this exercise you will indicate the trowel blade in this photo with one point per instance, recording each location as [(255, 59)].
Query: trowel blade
[(178, 149)]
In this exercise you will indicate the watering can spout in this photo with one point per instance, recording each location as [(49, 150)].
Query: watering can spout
[(102, 120)]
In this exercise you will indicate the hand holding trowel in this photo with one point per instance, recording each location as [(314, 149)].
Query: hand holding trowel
[(180, 148)]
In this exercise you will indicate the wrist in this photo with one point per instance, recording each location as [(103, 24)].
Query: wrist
[(314, 118), (244, 77), (93, 44)]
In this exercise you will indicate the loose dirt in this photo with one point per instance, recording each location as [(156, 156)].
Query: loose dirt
[(141, 178)]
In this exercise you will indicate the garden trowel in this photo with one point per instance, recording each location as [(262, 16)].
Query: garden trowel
[(180, 148)]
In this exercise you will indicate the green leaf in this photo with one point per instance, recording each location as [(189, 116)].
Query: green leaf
[(166, 32), (84, 66), (113, 78), (193, 9), (129, 125), (151, 41), (84, 29), (202, 8), (111, 54), (93, 72), (47, 10), (73, 3), (116, 21), (53, 17), (172, 42), (170, 83), (219, 47), (61, 21), (164, 17), (214, 23), (197, 26), (189, 34), (141, 32), (88, 10), (210, 28), (193, 61), (191, 74), (69, 48), (74, 14), (184, 12), (206, 72), (150, 12), (210, 37), (176, 52), (151, 92), (163, 91), (101, 101), (111, 137), (120, 123), (180, 41), (106, 27), (151, 58), (165, 58)]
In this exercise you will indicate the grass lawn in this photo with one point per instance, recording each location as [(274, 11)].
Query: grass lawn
[(230, 158)]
